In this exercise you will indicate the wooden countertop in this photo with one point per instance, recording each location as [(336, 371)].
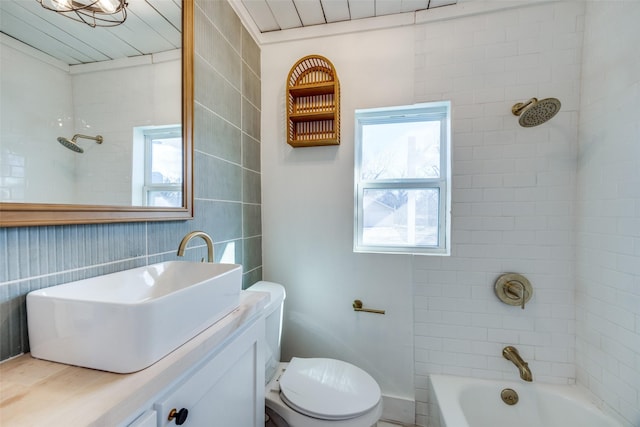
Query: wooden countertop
[(39, 393)]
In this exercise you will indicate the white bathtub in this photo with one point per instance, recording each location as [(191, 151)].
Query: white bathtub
[(469, 402)]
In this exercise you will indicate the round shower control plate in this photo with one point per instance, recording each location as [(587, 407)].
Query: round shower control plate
[(509, 286)]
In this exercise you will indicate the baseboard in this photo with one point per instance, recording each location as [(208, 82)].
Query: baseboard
[(399, 409)]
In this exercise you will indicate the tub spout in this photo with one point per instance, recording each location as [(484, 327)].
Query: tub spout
[(511, 353)]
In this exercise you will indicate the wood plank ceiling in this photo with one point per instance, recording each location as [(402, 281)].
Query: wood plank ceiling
[(274, 15), (152, 26)]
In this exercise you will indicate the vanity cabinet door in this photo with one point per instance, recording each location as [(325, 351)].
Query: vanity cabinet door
[(148, 419), (226, 391)]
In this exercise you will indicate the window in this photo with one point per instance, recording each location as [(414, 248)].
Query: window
[(402, 179), (160, 184)]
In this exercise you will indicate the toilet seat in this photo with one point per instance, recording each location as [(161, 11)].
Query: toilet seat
[(328, 389)]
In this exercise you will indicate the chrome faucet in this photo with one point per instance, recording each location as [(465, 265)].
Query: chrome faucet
[(511, 353), (205, 237)]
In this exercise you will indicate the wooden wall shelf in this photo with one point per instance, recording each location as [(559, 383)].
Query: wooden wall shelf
[(313, 103)]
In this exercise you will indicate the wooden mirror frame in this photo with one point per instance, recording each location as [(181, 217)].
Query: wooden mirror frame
[(33, 214)]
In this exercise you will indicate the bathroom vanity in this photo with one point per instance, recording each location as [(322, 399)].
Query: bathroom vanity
[(218, 377)]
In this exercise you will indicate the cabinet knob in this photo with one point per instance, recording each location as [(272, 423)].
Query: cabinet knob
[(180, 416)]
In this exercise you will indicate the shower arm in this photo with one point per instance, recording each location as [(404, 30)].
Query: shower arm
[(520, 106), (97, 138)]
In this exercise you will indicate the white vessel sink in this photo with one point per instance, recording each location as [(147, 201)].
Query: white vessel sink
[(126, 321)]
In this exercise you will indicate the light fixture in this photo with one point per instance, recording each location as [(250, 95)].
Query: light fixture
[(94, 13)]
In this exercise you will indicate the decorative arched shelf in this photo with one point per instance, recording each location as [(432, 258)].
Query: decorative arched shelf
[(313, 103)]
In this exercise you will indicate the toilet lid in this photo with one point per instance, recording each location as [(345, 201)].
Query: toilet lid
[(328, 389)]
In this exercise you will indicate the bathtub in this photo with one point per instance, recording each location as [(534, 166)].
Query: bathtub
[(469, 402)]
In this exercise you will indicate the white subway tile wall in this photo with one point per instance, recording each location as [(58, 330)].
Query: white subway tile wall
[(24, 82), (513, 201), (153, 100), (608, 208)]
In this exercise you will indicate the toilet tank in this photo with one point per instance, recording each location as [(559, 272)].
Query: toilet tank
[(273, 323)]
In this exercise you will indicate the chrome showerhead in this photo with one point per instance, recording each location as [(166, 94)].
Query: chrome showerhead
[(72, 145), (534, 112)]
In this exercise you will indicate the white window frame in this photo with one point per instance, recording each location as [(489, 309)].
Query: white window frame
[(149, 136), (440, 111)]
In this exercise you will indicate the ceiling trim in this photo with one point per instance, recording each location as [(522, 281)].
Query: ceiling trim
[(338, 28), (247, 20), (461, 9), (35, 53), (470, 8)]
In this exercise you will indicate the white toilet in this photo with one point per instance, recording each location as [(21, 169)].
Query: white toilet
[(312, 392)]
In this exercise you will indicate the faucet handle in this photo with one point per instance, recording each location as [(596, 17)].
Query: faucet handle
[(513, 289), (520, 293)]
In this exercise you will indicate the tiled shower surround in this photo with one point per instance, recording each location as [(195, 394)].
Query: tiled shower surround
[(558, 202), (227, 189), (608, 209), (512, 196)]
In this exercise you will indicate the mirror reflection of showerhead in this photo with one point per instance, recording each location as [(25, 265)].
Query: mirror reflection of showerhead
[(534, 112), (71, 144)]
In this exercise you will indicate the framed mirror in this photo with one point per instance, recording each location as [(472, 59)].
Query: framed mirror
[(105, 147)]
